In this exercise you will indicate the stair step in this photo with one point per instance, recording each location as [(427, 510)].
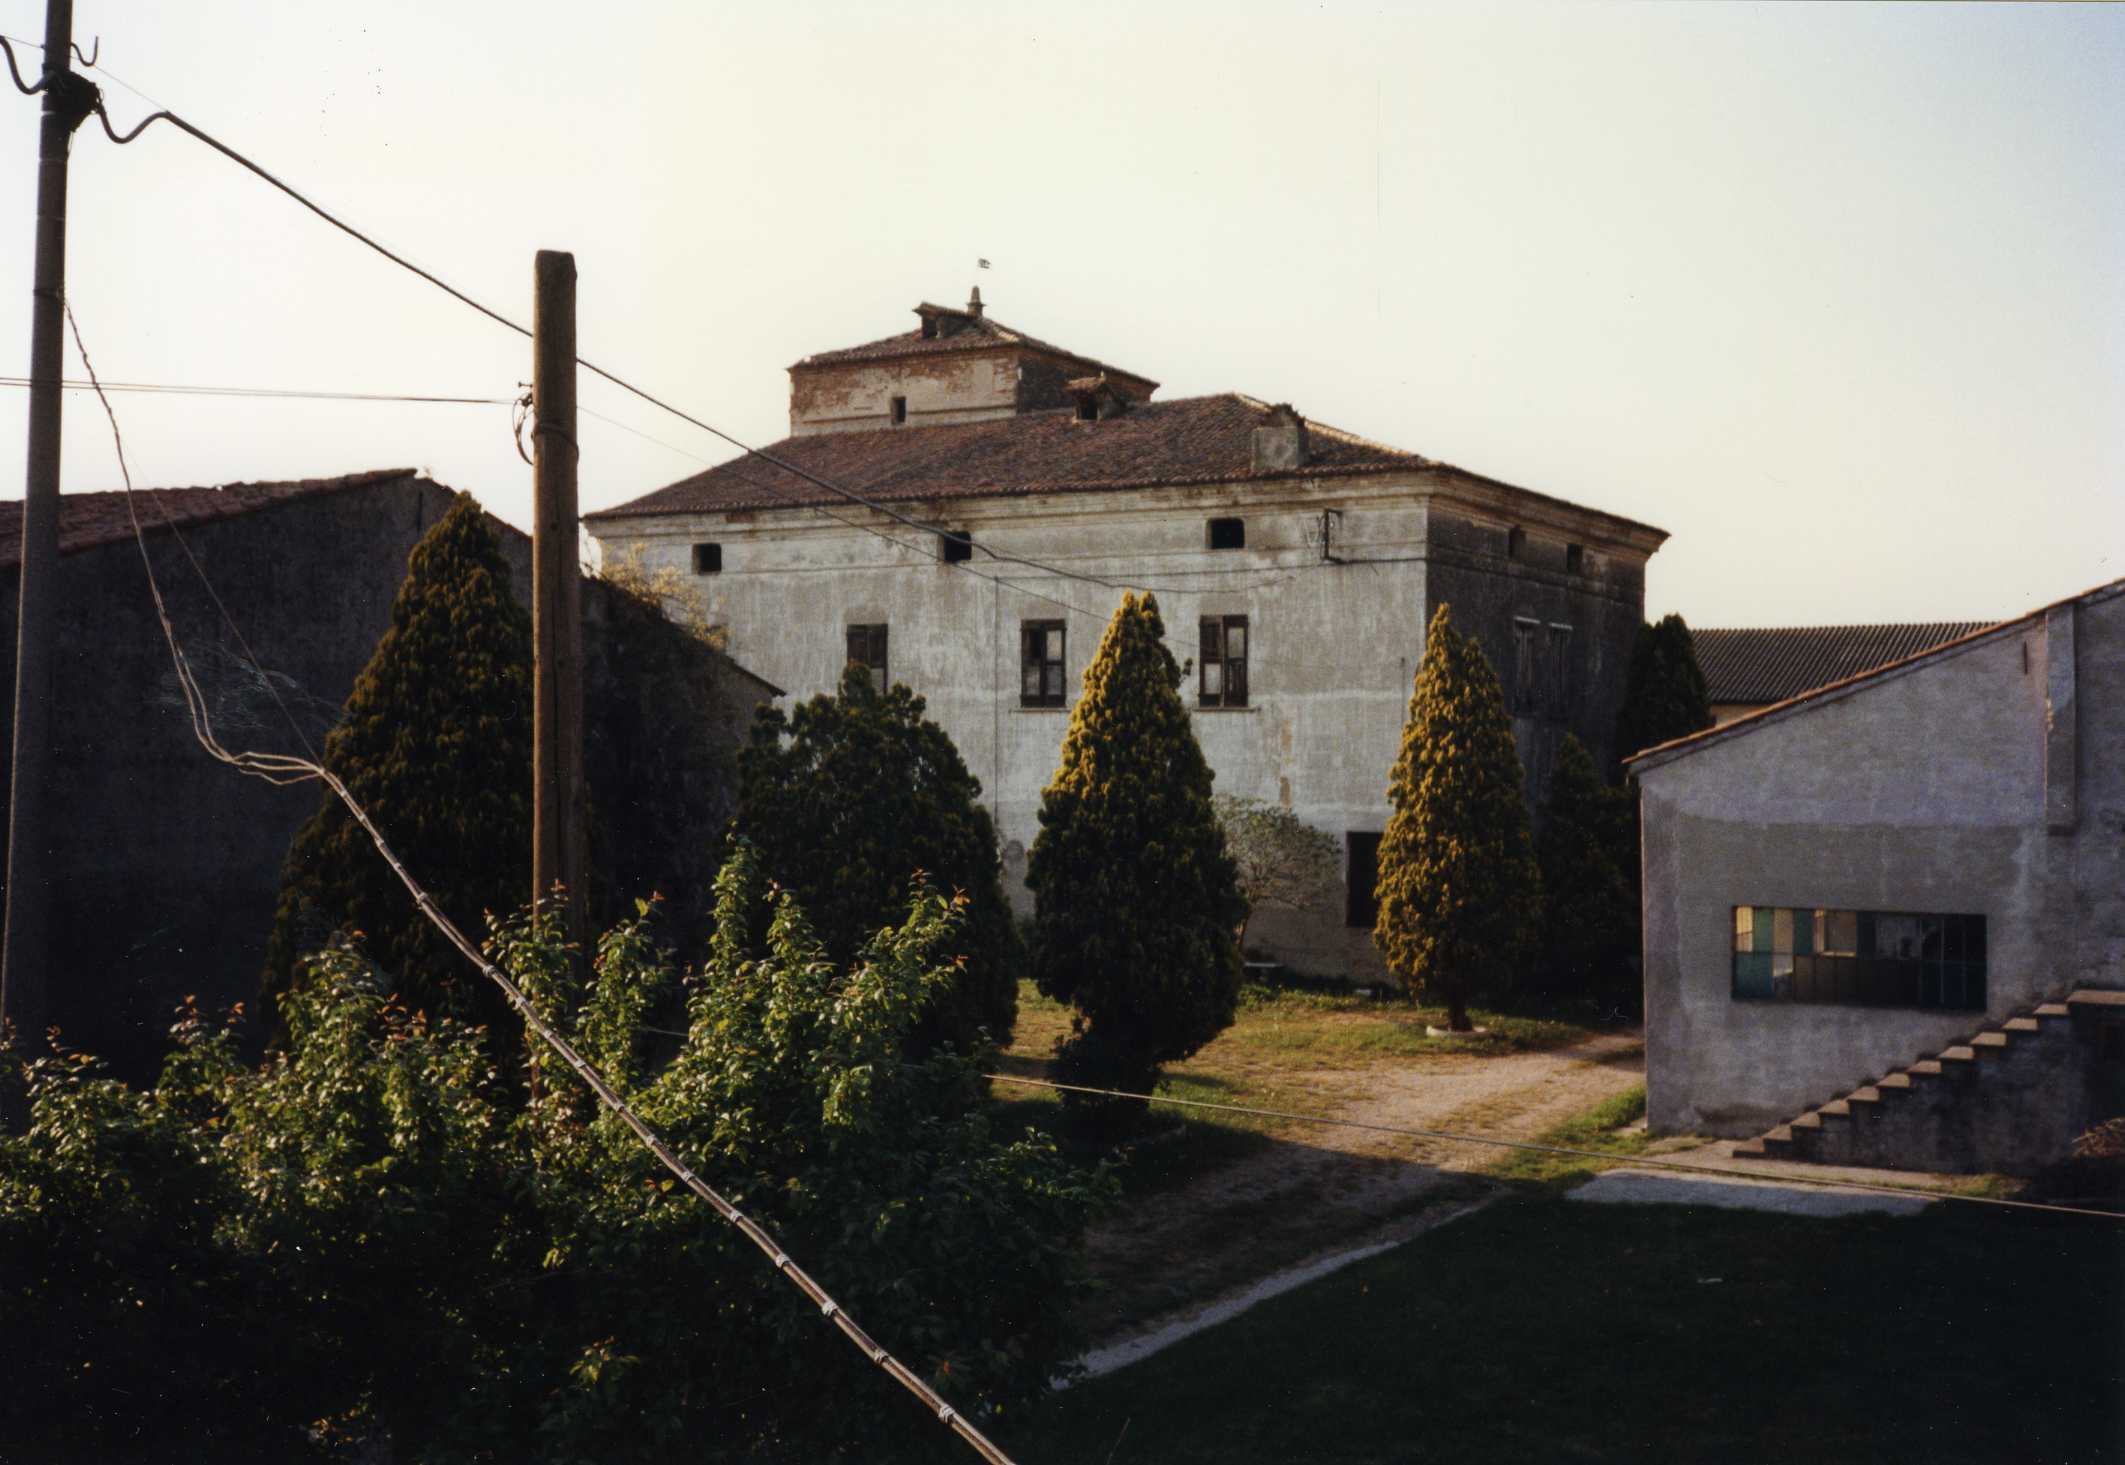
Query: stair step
[(2096, 997), (1900, 1080), (2022, 1025), (1926, 1067), (1868, 1095), (1989, 1040), (1836, 1109), (1749, 1149), (1806, 1121), (1958, 1054), (2054, 1009)]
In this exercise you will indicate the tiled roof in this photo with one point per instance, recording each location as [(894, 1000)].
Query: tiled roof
[(1772, 663), (1190, 440), (87, 520), (973, 333)]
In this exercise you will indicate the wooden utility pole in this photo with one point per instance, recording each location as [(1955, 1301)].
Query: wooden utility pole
[(559, 799), (24, 956)]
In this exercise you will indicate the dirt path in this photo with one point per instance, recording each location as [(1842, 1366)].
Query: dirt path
[(1321, 1187)]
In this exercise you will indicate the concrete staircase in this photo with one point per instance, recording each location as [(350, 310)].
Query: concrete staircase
[(2009, 1100)]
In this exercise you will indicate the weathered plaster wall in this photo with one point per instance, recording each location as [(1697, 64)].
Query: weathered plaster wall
[(1924, 790), (948, 387), (1333, 654)]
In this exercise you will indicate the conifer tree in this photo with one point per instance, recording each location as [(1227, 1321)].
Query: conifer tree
[(1587, 852), (1137, 898), (436, 744), (1459, 894), (1664, 694), (846, 801)]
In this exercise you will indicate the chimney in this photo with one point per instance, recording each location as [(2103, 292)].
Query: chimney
[(1280, 441), (974, 303)]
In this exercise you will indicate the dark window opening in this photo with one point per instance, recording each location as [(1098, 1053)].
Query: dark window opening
[(1087, 407), (1361, 877), (1221, 669), (900, 411), (1228, 533), (708, 559), (867, 649), (1558, 652), (1859, 958), (955, 546), (1574, 559), (1524, 665), (1040, 663), (1515, 543)]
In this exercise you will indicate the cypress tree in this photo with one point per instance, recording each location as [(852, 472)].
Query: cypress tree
[(436, 744), (850, 798), (1137, 898), (1664, 694), (1459, 893), (1587, 852)]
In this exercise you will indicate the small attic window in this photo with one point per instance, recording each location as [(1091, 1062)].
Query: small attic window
[(1574, 559), (1087, 407), (708, 559), (1515, 543), (1228, 533), (956, 547), (900, 411)]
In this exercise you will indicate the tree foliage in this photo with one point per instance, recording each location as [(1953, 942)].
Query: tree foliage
[(367, 1235), (1459, 893), (1587, 852), (1284, 863), (848, 800), (1664, 694), (436, 745), (1137, 897)]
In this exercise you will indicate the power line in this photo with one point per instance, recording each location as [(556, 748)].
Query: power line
[(282, 769), (1635, 1161), (184, 389)]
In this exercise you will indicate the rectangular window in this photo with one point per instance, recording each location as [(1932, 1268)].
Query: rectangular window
[(1361, 873), (1221, 669), (1859, 958), (1574, 559), (867, 648), (900, 411), (955, 546), (1558, 654), (708, 559), (1524, 665), (1040, 663), (1228, 533)]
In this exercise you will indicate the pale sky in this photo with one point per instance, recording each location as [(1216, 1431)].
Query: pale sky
[(1831, 293)]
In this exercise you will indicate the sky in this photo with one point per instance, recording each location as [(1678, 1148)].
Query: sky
[(1831, 293)]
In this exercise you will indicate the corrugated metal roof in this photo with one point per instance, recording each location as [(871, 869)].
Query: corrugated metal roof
[(1762, 664)]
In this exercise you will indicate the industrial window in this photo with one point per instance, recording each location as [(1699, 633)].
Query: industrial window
[(1859, 958), (708, 559), (1221, 669), (1040, 663), (900, 411), (1515, 543), (867, 648), (1574, 559), (1524, 665), (1361, 876), (1228, 533), (1557, 653), (955, 546)]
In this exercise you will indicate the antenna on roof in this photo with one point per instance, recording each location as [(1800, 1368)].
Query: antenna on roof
[(974, 303)]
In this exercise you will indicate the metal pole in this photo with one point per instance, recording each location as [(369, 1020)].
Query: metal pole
[(558, 799), (25, 950)]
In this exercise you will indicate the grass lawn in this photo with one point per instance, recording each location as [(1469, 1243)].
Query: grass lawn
[(1542, 1330), (1289, 1049)]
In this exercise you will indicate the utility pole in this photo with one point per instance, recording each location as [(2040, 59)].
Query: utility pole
[(25, 953), (559, 799)]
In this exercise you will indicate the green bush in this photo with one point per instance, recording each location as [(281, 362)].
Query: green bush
[(367, 1236), (851, 798), (1664, 694), (1459, 893), (1137, 899)]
